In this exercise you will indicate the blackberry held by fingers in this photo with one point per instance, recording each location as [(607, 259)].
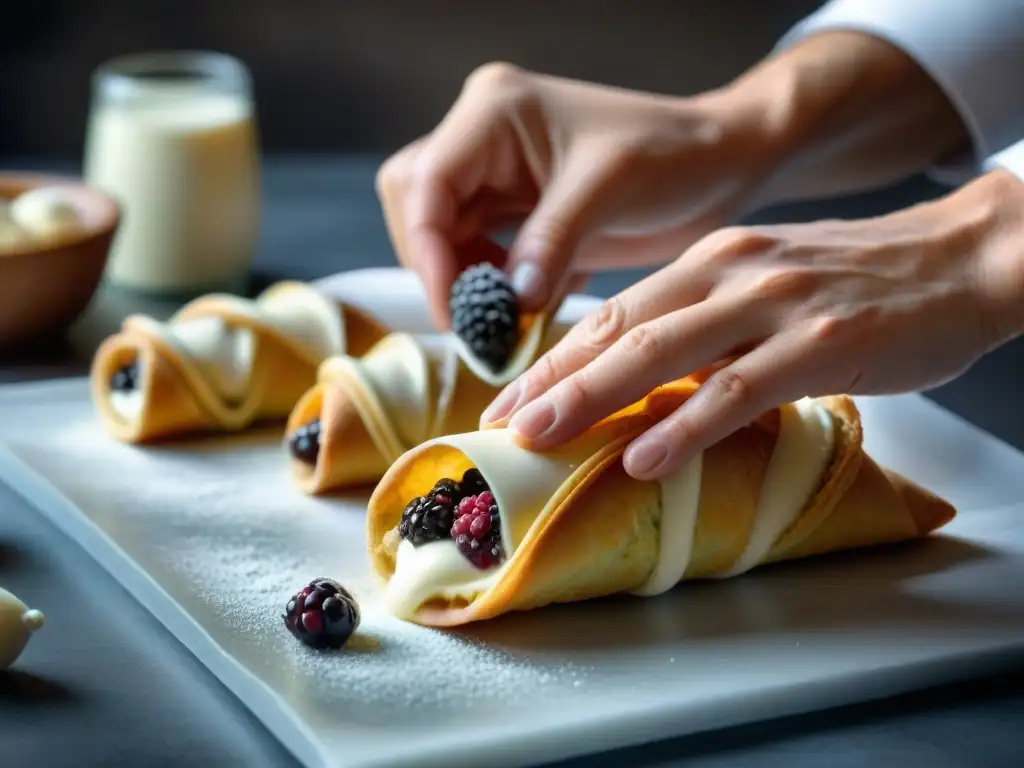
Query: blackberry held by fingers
[(304, 443), (485, 314), (323, 614)]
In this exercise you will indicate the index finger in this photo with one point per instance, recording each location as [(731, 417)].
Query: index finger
[(449, 168)]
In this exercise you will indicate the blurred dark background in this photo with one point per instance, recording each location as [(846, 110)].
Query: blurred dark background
[(339, 77)]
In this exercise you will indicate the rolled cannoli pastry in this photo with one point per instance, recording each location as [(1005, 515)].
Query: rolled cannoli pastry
[(364, 413), (467, 527), (222, 363)]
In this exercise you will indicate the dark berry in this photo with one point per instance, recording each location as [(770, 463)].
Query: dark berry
[(485, 314), (304, 442), (427, 518), (323, 614), (472, 483), (477, 530), (126, 378), (446, 488)]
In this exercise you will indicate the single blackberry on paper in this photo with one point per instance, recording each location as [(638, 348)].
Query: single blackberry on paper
[(427, 518), (477, 530), (323, 614), (485, 314), (304, 443), (126, 378)]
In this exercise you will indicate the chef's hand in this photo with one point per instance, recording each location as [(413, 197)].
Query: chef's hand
[(601, 177), (892, 304), (598, 177)]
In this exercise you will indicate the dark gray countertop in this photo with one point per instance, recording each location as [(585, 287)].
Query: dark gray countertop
[(106, 685)]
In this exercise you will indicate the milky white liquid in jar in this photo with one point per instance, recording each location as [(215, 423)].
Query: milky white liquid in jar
[(172, 137)]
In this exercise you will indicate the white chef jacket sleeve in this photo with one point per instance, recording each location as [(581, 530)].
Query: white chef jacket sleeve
[(1010, 159), (973, 49)]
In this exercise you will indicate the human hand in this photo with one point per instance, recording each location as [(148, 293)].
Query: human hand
[(599, 177), (892, 304)]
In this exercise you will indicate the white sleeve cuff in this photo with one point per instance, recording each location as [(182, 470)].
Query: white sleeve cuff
[(1010, 159), (973, 50)]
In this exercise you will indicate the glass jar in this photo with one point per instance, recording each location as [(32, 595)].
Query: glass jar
[(172, 137)]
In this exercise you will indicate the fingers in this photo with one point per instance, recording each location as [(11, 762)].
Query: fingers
[(577, 199), (422, 188), (783, 369), (656, 295), (649, 355)]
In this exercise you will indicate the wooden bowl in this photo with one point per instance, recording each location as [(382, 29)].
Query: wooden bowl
[(44, 287)]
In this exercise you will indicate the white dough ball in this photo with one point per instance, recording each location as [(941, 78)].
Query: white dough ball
[(45, 213), (17, 623)]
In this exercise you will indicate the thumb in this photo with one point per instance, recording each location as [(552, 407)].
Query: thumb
[(571, 209)]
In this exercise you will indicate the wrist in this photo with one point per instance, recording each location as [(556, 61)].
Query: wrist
[(843, 111), (992, 209)]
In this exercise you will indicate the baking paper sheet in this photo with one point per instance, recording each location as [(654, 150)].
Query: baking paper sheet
[(211, 537)]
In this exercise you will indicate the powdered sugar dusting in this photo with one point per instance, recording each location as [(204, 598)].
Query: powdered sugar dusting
[(221, 528)]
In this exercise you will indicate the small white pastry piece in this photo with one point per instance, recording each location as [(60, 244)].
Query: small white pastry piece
[(45, 213), (17, 623)]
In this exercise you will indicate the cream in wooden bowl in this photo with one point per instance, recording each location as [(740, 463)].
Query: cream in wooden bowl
[(55, 237)]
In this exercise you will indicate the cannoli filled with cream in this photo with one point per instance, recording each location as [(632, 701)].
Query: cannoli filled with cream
[(471, 526), (222, 362), (364, 413)]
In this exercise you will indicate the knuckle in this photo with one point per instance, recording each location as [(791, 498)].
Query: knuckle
[(828, 330), (731, 244), (607, 325), (836, 329), (732, 388), (386, 176), (644, 343), (782, 285), (497, 80)]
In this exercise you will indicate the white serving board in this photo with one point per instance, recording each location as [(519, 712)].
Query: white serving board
[(211, 537)]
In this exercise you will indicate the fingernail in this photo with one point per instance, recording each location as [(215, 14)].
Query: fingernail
[(503, 404), (534, 420), (529, 283), (644, 458)]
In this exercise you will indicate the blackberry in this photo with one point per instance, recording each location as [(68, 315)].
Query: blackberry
[(447, 489), (304, 443), (427, 518), (126, 378), (485, 314), (323, 614), (477, 530), (473, 483)]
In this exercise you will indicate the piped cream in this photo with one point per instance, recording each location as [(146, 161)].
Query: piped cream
[(803, 453)]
